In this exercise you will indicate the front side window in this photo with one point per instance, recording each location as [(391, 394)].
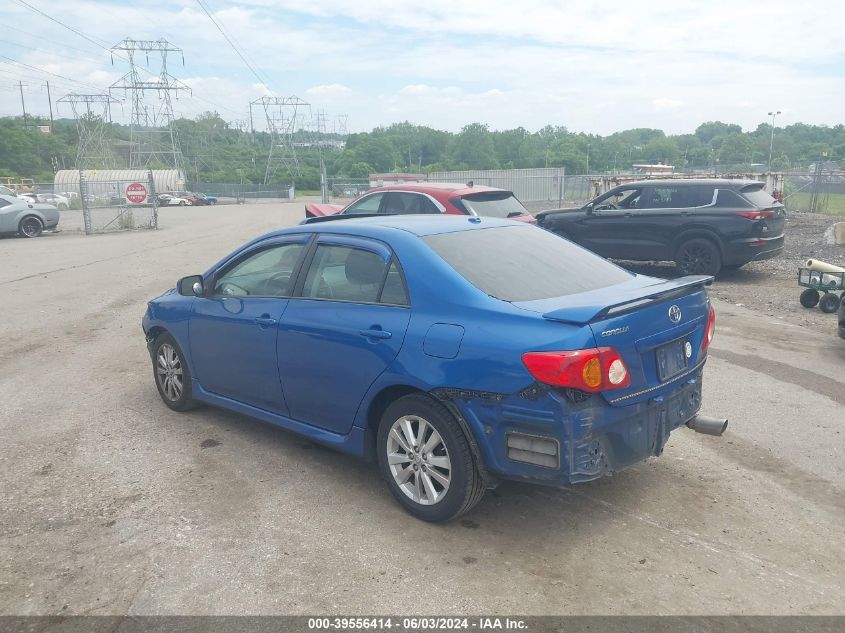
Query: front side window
[(619, 199), (268, 273), (524, 263), (367, 204), (345, 273)]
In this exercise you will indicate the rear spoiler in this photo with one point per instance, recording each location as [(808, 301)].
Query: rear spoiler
[(340, 216), (628, 300)]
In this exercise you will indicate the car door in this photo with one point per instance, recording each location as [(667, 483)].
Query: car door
[(233, 328), (344, 327), (7, 216), (665, 209), (605, 229)]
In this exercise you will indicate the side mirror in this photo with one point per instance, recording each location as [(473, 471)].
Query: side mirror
[(589, 208), (191, 286)]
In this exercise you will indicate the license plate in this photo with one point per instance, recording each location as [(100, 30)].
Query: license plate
[(671, 359)]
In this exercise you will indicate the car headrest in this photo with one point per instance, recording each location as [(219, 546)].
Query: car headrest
[(363, 267)]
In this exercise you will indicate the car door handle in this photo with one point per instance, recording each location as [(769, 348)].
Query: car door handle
[(375, 333), (265, 320)]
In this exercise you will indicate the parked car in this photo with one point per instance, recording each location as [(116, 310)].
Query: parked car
[(204, 199), (58, 201), (28, 219), (704, 226), (429, 197), (174, 200), (455, 351)]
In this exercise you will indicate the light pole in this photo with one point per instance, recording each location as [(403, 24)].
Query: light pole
[(772, 141)]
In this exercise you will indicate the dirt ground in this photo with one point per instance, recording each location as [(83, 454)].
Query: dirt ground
[(114, 504)]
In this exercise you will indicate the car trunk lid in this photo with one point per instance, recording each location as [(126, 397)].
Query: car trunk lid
[(657, 326)]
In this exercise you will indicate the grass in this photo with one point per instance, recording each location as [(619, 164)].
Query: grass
[(801, 201)]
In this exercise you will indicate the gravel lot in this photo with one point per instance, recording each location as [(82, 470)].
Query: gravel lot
[(113, 504)]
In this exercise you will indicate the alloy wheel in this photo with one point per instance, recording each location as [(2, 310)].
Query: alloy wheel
[(31, 227), (696, 259), (418, 460), (169, 372)]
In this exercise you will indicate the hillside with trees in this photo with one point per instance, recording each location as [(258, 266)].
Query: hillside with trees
[(215, 151)]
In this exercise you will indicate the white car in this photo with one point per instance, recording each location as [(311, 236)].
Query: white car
[(58, 201), (28, 219), (168, 199)]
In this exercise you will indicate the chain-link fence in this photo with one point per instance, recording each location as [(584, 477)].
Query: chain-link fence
[(118, 205), (234, 192)]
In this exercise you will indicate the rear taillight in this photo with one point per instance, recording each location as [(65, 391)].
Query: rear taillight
[(710, 330), (756, 215), (591, 370)]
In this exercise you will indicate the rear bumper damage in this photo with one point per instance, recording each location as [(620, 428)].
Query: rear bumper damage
[(553, 437)]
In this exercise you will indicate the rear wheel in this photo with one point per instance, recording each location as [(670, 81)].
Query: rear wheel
[(426, 460), (809, 298), (829, 303), (171, 373), (698, 256), (31, 226)]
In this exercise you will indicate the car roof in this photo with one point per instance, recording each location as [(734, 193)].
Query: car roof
[(712, 182), (380, 226), (457, 188)]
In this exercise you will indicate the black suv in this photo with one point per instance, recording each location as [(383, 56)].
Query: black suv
[(704, 226)]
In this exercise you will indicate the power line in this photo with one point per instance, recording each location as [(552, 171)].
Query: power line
[(41, 70), (234, 48), (60, 23)]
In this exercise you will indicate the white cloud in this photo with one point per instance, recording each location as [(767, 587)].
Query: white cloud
[(328, 91), (665, 103)]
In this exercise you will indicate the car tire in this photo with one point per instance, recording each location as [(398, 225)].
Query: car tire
[(829, 303), (431, 492), (181, 203), (31, 226), (809, 298), (171, 374), (698, 256)]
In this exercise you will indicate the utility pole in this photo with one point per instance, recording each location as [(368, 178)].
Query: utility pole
[(50, 101), (772, 141), (23, 105)]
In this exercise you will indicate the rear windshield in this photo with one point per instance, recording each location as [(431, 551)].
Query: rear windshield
[(494, 204), (759, 198), (524, 263)]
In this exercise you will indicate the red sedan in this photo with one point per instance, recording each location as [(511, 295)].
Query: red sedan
[(429, 197)]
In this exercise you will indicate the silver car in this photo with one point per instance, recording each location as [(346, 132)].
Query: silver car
[(26, 218)]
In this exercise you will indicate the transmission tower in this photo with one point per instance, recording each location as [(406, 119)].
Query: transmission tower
[(340, 125), (92, 113), (152, 136), (281, 114)]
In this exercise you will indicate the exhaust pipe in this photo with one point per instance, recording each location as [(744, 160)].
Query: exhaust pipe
[(707, 425)]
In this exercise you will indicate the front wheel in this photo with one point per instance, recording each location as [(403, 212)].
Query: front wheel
[(181, 203), (809, 298), (31, 226), (698, 256), (426, 460), (171, 373)]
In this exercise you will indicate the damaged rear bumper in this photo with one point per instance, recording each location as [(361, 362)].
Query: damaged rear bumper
[(546, 436)]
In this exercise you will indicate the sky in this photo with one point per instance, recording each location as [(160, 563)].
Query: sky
[(593, 66)]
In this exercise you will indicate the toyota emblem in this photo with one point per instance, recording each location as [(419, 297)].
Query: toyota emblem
[(674, 314)]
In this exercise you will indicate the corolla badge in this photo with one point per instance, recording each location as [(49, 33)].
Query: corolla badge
[(616, 330), (674, 314)]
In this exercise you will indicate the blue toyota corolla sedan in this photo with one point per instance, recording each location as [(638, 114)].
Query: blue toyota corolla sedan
[(455, 351)]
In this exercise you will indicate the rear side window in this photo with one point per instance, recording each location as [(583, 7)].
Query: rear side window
[(404, 203), (758, 197), (729, 198), (517, 263), (494, 204), (344, 273)]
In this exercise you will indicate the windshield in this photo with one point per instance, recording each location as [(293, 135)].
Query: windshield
[(494, 204), (7, 192), (524, 263)]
